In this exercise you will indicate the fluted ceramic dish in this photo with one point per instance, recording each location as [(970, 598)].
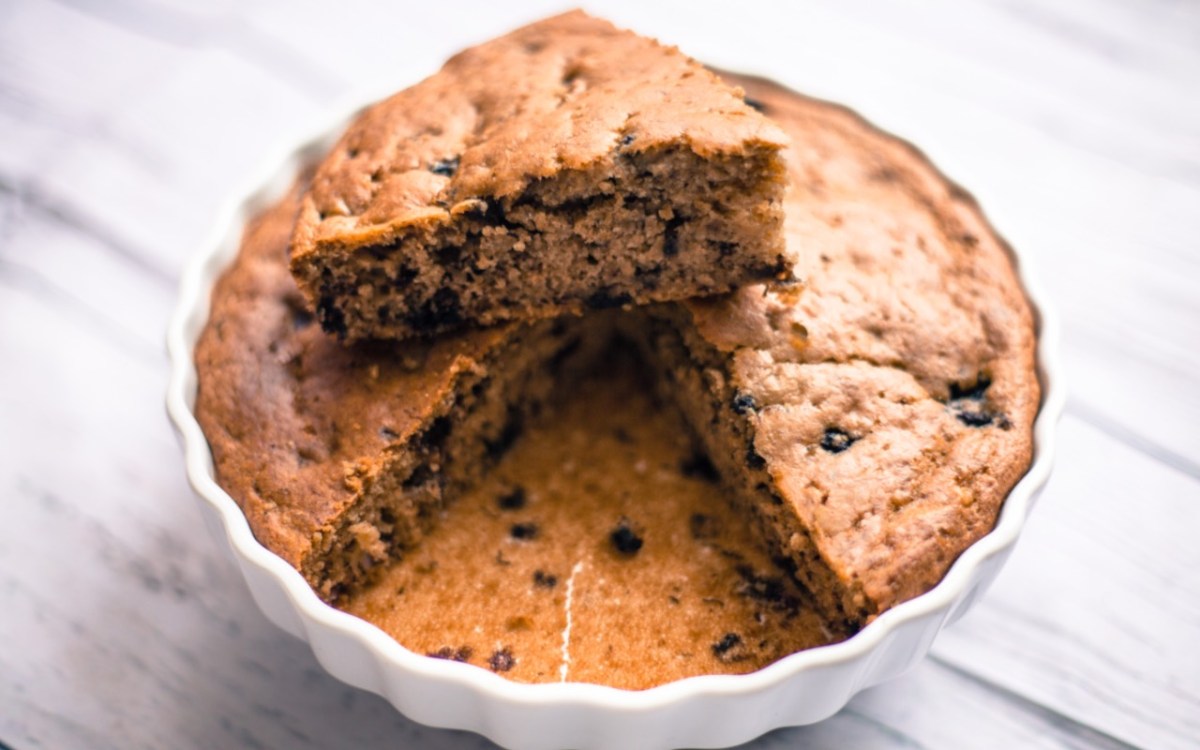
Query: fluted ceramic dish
[(708, 711)]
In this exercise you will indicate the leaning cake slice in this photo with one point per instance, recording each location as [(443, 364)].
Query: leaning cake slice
[(566, 166)]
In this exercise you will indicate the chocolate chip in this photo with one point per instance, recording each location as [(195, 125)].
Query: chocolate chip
[(502, 660), (836, 441), (544, 580), (627, 139), (624, 539), (523, 530), (744, 403), (697, 466), (755, 104), (605, 298), (512, 500), (729, 648), (725, 249), (387, 433), (967, 403), (462, 653), (445, 167), (974, 417)]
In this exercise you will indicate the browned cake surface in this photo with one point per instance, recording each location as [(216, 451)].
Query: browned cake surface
[(568, 165), (876, 415), (602, 513)]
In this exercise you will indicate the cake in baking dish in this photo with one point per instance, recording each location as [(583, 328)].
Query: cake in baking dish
[(699, 486)]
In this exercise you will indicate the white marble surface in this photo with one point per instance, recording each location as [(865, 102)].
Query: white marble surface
[(124, 124)]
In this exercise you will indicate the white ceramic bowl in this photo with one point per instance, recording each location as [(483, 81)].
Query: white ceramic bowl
[(709, 711)]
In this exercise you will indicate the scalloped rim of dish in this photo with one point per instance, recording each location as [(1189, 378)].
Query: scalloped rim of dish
[(941, 604)]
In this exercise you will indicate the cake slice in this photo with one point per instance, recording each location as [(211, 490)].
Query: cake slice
[(564, 167), (341, 456)]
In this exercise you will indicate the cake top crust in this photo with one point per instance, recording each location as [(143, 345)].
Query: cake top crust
[(565, 93)]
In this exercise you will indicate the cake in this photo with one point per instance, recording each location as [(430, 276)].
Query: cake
[(867, 419), (567, 166)]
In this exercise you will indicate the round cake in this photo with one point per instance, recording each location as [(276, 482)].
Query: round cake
[(799, 456)]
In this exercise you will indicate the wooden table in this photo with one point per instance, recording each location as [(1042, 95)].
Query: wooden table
[(124, 124)]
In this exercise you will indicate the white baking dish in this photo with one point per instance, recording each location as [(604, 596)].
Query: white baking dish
[(710, 711)]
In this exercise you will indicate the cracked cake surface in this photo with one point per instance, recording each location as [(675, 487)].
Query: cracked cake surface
[(566, 166)]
